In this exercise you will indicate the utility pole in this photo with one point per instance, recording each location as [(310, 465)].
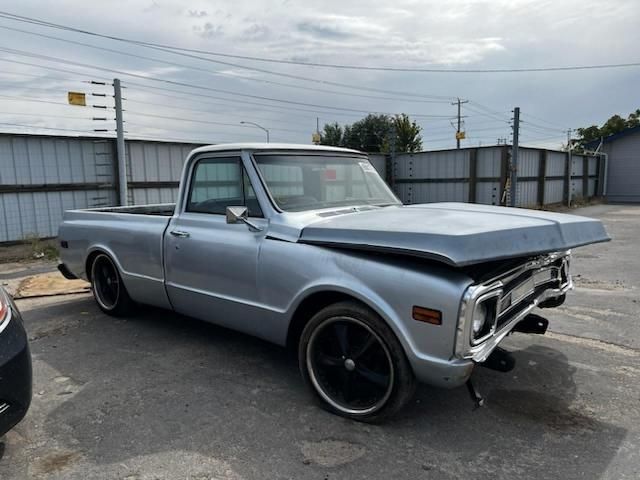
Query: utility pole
[(514, 158), (122, 155), (569, 165), (458, 133)]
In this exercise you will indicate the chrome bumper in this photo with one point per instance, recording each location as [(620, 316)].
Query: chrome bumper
[(504, 321)]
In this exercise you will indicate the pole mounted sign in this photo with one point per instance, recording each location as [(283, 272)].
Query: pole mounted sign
[(77, 98)]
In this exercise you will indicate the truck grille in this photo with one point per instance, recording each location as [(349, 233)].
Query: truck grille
[(519, 292)]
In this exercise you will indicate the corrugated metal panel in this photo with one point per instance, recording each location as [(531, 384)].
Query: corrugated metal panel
[(488, 193), (489, 162), (46, 160), (432, 165), (528, 163), (623, 183), (527, 194), (153, 162), (411, 193), (592, 187), (553, 191), (556, 164), (379, 162), (145, 196), (593, 165), (31, 214), (577, 165)]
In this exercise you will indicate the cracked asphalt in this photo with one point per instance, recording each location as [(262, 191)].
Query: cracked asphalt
[(160, 396)]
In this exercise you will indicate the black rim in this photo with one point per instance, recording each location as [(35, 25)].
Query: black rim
[(106, 283), (350, 365)]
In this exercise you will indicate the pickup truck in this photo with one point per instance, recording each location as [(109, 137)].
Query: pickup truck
[(307, 247)]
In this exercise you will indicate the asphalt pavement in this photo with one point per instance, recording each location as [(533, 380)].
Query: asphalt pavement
[(160, 396)]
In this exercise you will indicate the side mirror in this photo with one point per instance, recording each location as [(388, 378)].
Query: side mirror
[(240, 215), (237, 214)]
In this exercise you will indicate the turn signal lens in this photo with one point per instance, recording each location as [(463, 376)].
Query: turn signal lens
[(427, 315)]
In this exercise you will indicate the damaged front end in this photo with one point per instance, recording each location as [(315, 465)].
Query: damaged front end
[(496, 307)]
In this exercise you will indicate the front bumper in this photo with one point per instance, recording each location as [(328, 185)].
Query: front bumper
[(515, 295), (15, 370)]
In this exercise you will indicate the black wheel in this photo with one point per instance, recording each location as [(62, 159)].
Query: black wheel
[(108, 289), (354, 364)]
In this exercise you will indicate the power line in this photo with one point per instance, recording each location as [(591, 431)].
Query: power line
[(165, 117), (167, 49), (38, 114), (216, 73), (564, 128), (209, 112), (200, 87), (22, 125), (20, 18)]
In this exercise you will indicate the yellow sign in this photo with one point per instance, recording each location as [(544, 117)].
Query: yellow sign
[(77, 98), (460, 135), (315, 138)]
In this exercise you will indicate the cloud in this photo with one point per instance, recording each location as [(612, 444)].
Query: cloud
[(323, 31), (455, 34), (197, 13)]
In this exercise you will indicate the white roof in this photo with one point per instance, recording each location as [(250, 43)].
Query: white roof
[(271, 146)]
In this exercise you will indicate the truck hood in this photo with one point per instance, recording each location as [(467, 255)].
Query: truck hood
[(458, 234)]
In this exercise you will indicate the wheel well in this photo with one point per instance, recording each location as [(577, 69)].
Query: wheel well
[(89, 262), (309, 307)]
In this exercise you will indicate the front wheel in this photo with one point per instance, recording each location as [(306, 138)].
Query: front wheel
[(108, 290), (354, 364)]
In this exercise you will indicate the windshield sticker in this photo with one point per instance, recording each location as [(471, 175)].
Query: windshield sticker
[(367, 167)]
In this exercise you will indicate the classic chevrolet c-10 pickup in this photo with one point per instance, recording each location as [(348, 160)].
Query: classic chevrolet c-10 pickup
[(308, 247)]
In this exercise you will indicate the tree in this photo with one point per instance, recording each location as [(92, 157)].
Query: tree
[(368, 134), (408, 138), (332, 135), (615, 124), (373, 133)]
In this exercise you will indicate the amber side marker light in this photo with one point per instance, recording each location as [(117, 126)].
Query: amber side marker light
[(427, 315)]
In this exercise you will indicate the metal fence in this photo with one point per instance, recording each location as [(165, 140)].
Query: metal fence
[(479, 175), (42, 176)]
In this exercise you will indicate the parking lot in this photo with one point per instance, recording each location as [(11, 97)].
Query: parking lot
[(160, 396)]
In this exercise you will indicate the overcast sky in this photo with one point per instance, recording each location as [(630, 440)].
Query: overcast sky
[(464, 34)]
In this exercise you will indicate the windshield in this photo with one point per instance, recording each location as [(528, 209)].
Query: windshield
[(299, 182)]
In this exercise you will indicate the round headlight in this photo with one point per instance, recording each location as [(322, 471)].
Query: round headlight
[(479, 318)]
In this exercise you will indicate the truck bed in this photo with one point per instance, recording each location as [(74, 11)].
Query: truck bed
[(161, 209), (134, 238)]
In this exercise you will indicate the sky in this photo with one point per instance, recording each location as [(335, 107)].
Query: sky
[(203, 98)]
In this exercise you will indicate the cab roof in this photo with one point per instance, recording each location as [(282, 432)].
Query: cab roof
[(272, 146)]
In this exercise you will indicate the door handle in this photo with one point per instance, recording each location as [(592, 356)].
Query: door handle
[(180, 233)]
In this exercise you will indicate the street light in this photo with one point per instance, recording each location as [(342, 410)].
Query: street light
[(256, 125)]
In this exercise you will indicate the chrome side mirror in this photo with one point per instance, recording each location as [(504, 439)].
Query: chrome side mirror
[(240, 214), (237, 214)]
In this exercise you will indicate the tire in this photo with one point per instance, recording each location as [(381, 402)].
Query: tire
[(354, 364), (108, 289)]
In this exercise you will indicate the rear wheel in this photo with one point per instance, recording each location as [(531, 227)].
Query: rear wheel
[(354, 364), (108, 290)]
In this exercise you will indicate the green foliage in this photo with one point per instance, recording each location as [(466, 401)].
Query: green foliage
[(41, 249), (374, 134), (615, 124), (408, 138), (331, 135)]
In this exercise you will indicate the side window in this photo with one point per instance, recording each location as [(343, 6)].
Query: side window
[(218, 183)]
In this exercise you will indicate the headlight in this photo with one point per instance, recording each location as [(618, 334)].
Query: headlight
[(479, 319)]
